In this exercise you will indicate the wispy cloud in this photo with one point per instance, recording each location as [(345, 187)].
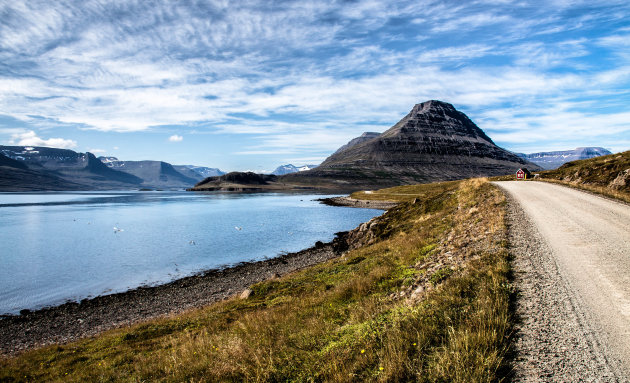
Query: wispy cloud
[(306, 76), (176, 138)]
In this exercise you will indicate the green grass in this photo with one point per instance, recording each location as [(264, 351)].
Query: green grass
[(428, 301)]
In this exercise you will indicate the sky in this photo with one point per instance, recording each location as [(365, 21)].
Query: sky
[(250, 85)]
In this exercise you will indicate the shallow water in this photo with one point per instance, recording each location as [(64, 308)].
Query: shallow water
[(56, 247)]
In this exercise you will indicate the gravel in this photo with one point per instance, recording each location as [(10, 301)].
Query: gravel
[(563, 332)]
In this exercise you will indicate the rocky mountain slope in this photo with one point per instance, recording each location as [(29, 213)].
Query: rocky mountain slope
[(552, 160), (15, 176), (434, 142), (10, 162), (366, 136)]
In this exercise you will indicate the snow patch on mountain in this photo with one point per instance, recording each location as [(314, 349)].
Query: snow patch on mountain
[(290, 168)]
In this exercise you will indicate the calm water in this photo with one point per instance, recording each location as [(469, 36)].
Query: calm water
[(63, 246)]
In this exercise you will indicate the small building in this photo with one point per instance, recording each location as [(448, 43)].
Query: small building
[(523, 174)]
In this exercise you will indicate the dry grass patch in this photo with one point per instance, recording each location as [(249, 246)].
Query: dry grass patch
[(601, 190)]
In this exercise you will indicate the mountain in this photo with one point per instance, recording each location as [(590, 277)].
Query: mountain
[(26, 168), (10, 162), (289, 168), (15, 176), (203, 171), (188, 172), (197, 173), (65, 168), (434, 142), (154, 174), (553, 160)]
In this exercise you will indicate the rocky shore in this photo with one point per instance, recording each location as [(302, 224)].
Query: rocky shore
[(75, 320), (352, 202)]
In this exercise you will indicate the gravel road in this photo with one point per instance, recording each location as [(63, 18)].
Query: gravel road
[(572, 272)]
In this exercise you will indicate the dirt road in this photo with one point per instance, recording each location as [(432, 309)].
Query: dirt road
[(572, 272)]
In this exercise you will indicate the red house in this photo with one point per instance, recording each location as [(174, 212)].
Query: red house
[(523, 174)]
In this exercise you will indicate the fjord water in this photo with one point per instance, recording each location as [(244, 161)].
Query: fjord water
[(56, 247)]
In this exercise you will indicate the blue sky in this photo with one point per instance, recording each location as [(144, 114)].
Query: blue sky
[(249, 85)]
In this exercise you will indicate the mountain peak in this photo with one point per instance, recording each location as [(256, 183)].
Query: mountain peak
[(438, 119), (433, 142), (427, 106)]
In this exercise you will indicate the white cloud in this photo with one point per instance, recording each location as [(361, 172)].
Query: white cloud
[(97, 151), (328, 68), (30, 138)]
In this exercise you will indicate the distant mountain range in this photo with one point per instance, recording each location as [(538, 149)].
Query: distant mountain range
[(553, 160), (162, 174), (25, 168), (289, 168), (434, 142)]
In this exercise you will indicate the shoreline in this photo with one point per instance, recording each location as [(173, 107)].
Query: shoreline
[(75, 320), (358, 203)]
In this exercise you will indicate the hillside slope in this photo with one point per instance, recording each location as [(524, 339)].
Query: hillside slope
[(15, 176), (611, 172)]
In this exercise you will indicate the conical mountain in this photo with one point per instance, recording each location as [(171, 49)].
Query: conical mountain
[(434, 142)]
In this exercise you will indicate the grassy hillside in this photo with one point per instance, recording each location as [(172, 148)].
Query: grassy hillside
[(609, 175), (427, 300)]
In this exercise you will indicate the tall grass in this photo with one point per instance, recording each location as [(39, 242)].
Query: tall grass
[(427, 302)]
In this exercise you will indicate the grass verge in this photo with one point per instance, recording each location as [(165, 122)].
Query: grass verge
[(427, 301)]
